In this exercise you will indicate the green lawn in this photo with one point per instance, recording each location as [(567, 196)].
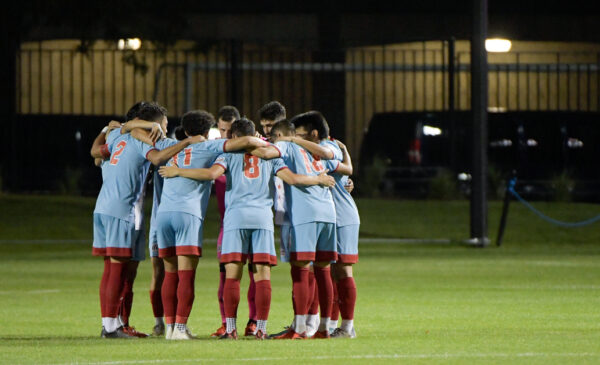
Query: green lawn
[(534, 300)]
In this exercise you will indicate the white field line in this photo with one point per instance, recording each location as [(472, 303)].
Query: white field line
[(40, 291), (480, 355), (405, 241)]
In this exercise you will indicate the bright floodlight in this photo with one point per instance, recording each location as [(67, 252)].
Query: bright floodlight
[(431, 131), (497, 45), (130, 43)]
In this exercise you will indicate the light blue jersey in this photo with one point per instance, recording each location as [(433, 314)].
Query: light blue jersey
[(181, 194), (157, 182), (345, 208), (305, 203), (249, 190), (124, 175)]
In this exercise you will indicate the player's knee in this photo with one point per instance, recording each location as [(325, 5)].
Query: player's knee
[(303, 264), (322, 264)]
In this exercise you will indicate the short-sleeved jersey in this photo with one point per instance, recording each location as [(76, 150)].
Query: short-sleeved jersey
[(181, 194), (157, 180), (305, 203), (123, 176), (345, 208), (249, 190)]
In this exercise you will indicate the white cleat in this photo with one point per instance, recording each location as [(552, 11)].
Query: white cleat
[(169, 332), (340, 333), (182, 335)]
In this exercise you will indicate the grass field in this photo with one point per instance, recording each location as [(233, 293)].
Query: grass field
[(534, 300)]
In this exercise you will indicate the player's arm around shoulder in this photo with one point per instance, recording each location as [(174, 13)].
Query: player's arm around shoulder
[(292, 178), (345, 167), (158, 157), (315, 149), (266, 152)]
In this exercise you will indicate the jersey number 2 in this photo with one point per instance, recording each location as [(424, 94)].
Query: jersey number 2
[(251, 170), (120, 148)]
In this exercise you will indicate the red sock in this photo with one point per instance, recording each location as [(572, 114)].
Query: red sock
[(313, 307), (185, 295), (263, 299), (300, 289), (126, 300), (347, 287), (113, 288), (231, 296), (156, 300), (169, 296), (323, 276), (103, 284), (251, 297), (335, 309), (220, 295)]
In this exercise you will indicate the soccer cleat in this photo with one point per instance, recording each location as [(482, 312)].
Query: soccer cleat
[(321, 334), (131, 331), (119, 333), (158, 330), (260, 335), (250, 329), (103, 333), (169, 332), (340, 333), (285, 329), (290, 334), (220, 331), (229, 336), (182, 335)]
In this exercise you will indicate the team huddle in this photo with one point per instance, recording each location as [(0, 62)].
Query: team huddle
[(294, 169)]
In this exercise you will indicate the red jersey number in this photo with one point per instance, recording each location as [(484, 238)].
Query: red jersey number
[(187, 160), (120, 148), (316, 166), (251, 170)]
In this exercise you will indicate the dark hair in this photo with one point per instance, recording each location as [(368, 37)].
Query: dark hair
[(273, 110), (151, 111), (284, 127), (179, 133), (228, 113), (133, 112), (243, 127), (197, 122), (312, 120)]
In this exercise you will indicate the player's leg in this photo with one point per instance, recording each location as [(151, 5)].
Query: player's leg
[(169, 293), (167, 253), (312, 320), (233, 254), (302, 252), (158, 274), (188, 248), (263, 256), (186, 272), (99, 249), (120, 239), (221, 330), (251, 297), (325, 253), (138, 255), (335, 309), (347, 257)]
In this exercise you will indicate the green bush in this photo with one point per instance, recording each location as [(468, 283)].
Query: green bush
[(496, 183), (562, 187), (70, 182), (372, 177), (443, 186)]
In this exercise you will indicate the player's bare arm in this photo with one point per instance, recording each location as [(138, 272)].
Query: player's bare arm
[(266, 152), (99, 148), (291, 178), (210, 173), (345, 167), (244, 143), (144, 136), (315, 149), (154, 127), (159, 157)]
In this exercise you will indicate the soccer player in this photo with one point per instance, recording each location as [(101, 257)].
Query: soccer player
[(269, 114), (312, 127), (115, 216), (248, 220), (180, 220), (312, 214), (225, 117)]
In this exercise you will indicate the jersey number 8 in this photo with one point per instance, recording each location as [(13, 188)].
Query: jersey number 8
[(251, 170)]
